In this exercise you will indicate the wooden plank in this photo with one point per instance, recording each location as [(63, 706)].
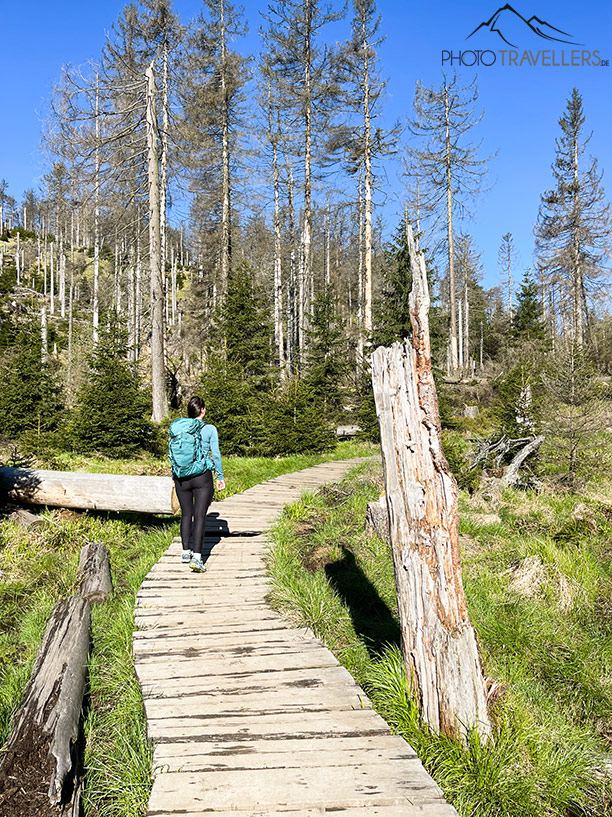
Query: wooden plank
[(270, 726), (339, 754), (335, 788), (198, 754), (198, 705), (238, 683), (171, 644), (433, 809)]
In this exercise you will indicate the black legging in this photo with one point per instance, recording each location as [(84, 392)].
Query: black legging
[(194, 495)]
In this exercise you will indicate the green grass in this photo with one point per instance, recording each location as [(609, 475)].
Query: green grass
[(39, 567), (545, 637)]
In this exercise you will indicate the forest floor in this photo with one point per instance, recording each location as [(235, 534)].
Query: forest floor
[(537, 573)]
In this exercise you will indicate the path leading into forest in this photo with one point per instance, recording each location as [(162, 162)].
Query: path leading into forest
[(248, 715)]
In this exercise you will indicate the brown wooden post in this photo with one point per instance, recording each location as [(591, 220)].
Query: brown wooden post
[(438, 642)]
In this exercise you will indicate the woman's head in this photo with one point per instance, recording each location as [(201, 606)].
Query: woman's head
[(195, 407)]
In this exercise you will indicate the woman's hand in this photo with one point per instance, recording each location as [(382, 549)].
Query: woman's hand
[(220, 485)]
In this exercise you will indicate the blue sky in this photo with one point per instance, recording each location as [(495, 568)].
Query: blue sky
[(522, 104)]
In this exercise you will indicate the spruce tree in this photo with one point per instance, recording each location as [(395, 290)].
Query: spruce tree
[(527, 323), (392, 310), (294, 422), (327, 359), (31, 395), (240, 371), (574, 413), (112, 411), (574, 225), (518, 402)]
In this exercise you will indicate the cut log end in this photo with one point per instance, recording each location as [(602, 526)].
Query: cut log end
[(94, 573)]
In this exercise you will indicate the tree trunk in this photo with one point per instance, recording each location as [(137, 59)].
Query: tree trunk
[(28, 520), (226, 232), (46, 726), (454, 361), (103, 492), (360, 286), (306, 253), (367, 161), (158, 373), (43, 335), (96, 281), (438, 641)]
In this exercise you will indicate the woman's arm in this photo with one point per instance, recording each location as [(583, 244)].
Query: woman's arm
[(216, 455)]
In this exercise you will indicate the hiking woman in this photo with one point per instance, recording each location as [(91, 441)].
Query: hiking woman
[(193, 479)]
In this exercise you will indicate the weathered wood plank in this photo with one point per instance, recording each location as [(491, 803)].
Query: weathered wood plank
[(336, 788)]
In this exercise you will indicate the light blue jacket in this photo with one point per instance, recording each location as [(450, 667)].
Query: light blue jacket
[(210, 442)]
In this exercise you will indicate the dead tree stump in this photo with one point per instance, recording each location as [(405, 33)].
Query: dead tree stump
[(438, 642), (38, 767), (94, 573)]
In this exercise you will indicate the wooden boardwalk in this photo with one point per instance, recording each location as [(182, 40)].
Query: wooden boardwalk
[(250, 716)]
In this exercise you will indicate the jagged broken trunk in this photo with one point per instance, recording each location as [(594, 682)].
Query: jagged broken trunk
[(438, 641)]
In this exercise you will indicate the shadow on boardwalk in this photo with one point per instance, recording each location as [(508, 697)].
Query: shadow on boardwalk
[(372, 619)]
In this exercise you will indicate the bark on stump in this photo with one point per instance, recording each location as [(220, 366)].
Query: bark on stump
[(438, 642), (94, 573), (377, 519), (38, 767)]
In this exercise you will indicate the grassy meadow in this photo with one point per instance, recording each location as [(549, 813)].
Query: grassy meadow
[(538, 580)]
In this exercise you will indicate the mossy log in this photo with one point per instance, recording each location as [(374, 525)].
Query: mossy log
[(94, 573), (77, 489), (438, 642), (38, 774)]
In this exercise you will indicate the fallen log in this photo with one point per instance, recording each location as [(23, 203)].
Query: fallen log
[(38, 767), (94, 573), (28, 520), (512, 474), (438, 642), (76, 489)]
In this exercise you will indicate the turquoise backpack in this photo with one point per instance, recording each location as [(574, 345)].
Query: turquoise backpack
[(185, 447)]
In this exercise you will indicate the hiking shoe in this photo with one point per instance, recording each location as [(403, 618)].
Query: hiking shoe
[(187, 556), (197, 565)]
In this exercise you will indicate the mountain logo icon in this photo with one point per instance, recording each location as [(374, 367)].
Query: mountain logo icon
[(508, 24)]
